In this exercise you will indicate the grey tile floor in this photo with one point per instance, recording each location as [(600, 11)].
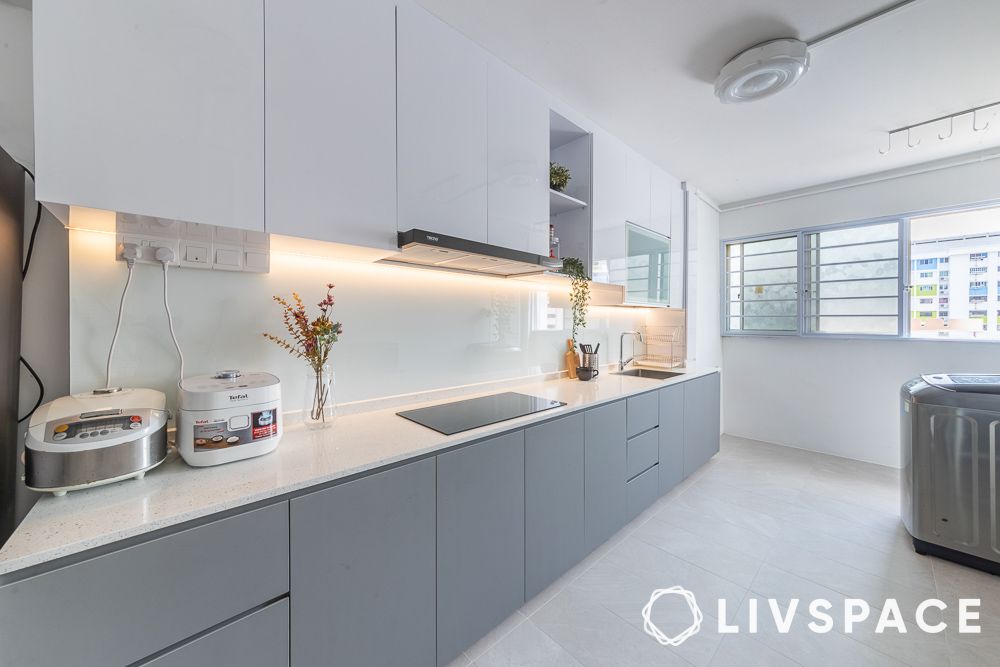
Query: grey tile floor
[(759, 521)]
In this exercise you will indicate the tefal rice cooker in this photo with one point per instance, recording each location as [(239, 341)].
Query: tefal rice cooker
[(95, 438), (228, 416)]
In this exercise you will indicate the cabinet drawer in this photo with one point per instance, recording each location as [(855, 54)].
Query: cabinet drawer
[(139, 600), (259, 639), (642, 491), (642, 452), (643, 413)]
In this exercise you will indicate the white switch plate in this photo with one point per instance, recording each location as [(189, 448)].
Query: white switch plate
[(195, 245)]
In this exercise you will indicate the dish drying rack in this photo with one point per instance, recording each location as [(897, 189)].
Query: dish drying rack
[(664, 346)]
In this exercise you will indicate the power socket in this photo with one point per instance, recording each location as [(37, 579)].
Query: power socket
[(147, 249)]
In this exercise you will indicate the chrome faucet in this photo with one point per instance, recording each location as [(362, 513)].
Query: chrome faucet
[(621, 348)]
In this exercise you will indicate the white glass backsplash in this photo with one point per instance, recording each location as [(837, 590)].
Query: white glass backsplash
[(405, 329)]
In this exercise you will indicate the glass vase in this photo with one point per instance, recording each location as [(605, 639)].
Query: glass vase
[(318, 407)]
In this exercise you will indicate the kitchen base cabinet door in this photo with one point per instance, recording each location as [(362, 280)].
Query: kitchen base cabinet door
[(643, 413), (480, 540), (126, 605), (604, 472), (701, 421), (259, 639), (362, 563), (642, 492), (671, 434), (553, 501)]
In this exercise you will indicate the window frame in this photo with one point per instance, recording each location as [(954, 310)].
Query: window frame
[(904, 259), (801, 287), (724, 308)]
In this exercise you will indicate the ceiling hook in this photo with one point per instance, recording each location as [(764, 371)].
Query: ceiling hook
[(978, 129), (909, 143), (951, 129), (888, 146)]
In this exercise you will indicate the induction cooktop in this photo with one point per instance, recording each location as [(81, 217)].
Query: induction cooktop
[(458, 416)]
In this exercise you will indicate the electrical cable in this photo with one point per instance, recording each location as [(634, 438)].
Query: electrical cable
[(31, 239), (41, 390), (118, 325), (24, 274), (170, 320)]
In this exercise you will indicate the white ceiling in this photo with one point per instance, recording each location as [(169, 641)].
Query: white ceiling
[(643, 70)]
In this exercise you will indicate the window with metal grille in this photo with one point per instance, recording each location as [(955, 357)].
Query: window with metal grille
[(852, 280), (975, 270), (761, 287)]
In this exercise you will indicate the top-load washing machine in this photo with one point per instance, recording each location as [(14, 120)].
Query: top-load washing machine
[(950, 432)]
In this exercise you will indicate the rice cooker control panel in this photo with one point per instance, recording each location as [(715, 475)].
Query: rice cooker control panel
[(96, 426)]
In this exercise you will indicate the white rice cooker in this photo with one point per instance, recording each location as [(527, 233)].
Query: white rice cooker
[(228, 416)]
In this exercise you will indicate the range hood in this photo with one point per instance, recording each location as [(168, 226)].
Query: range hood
[(441, 251)]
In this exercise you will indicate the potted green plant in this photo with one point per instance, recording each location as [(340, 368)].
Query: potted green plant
[(579, 292), (558, 176)]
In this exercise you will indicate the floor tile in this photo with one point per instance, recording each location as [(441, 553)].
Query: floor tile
[(744, 651), (595, 636), (526, 646)]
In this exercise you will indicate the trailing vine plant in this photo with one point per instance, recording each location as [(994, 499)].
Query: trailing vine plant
[(579, 293)]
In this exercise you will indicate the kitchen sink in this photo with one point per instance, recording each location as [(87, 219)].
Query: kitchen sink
[(648, 373)]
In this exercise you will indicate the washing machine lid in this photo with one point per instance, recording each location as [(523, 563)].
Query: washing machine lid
[(965, 383)]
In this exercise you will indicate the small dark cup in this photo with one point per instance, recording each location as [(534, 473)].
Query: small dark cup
[(586, 373)]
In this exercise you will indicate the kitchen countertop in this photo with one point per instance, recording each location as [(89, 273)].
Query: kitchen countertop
[(174, 492)]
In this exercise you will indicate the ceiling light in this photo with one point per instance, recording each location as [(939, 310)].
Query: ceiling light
[(762, 70)]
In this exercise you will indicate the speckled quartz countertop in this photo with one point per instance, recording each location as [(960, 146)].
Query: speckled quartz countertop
[(174, 492)]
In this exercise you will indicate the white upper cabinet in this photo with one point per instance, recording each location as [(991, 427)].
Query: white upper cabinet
[(518, 162), (639, 173), (153, 107), (664, 191), (441, 128), (330, 129), (610, 206)]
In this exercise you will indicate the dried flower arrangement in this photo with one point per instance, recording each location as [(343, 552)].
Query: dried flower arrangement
[(311, 340)]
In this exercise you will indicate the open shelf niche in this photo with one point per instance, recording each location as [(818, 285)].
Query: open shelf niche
[(569, 210)]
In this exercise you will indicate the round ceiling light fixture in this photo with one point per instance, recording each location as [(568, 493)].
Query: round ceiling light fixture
[(762, 70)]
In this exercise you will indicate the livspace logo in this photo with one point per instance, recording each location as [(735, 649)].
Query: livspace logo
[(821, 612)]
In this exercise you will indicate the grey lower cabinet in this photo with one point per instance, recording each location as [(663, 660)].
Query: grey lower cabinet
[(363, 571), (130, 604), (643, 413), (605, 472), (480, 540), (671, 437), (553, 501), (259, 639), (406, 566), (641, 491), (701, 421)]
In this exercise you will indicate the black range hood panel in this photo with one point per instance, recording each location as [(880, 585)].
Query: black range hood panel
[(423, 248)]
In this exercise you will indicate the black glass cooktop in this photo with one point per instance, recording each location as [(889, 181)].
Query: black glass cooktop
[(451, 418)]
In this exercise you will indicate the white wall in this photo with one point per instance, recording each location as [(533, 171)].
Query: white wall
[(842, 396), (405, 329)]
